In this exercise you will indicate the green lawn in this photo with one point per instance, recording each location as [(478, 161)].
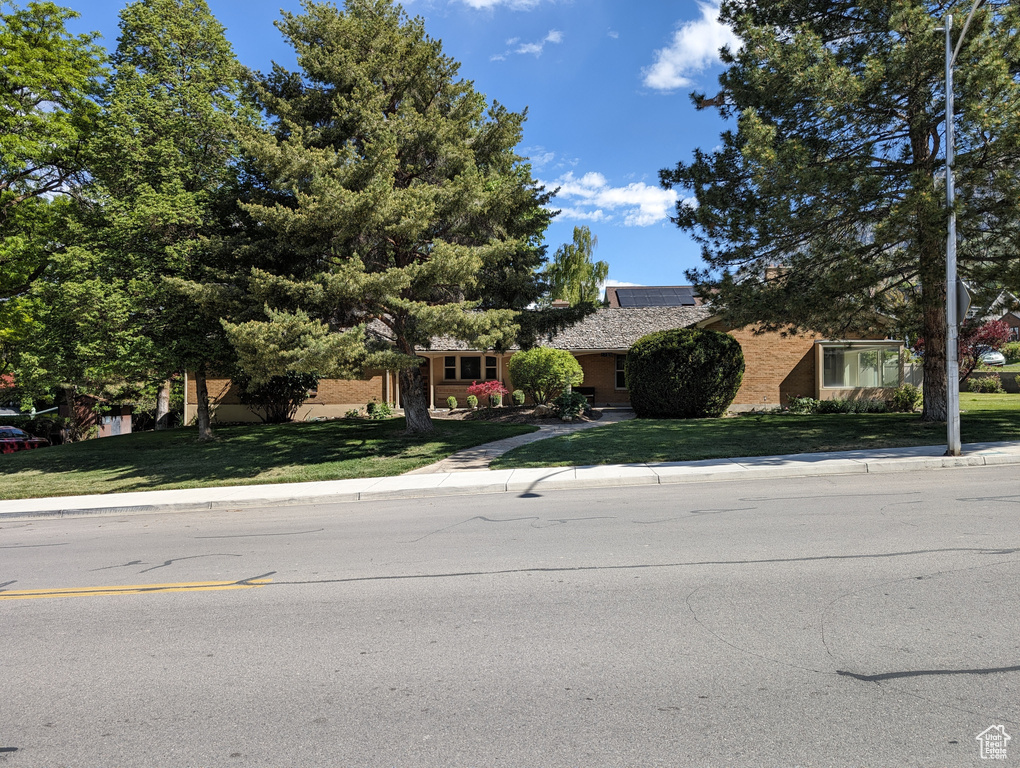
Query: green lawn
[(243, 455), (984, 418)]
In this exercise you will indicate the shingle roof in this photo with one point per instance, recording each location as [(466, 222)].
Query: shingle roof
[(619, 328), (605, 329)]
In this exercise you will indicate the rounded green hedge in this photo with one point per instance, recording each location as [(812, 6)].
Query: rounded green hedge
[(686, 373)]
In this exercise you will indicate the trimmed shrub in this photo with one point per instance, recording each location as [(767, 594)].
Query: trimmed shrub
[(472, 401), (802, 404), (451, 402), (686, 373), (378, 411), (277, 400), (1011, 351), (852, 405), (906, 398), (570, 405), (543, 373), (519, 397), (987, 384)]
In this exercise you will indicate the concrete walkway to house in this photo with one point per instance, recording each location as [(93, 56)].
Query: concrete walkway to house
[(479, 457)]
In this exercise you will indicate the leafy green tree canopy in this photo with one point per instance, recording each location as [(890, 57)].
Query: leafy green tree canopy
[(165, 164), (543, 372), (572, 274), (824, 206)]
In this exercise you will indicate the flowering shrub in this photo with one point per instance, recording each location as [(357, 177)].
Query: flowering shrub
[(491, 391)]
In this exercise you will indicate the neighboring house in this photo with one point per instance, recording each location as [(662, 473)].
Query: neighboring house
[(1006, 307), (776, 367)]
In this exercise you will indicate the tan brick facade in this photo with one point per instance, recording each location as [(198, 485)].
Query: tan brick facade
[(334, 397), (600, 372), (774, 367)]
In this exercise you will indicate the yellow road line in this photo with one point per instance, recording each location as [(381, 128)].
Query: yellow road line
[(133, 589)]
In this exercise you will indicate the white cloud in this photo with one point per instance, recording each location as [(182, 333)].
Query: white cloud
[(613, 34), (538, 157), (554, 36), (517, 5), (592, 198), (534, 49), (695, 47), (610, 283)]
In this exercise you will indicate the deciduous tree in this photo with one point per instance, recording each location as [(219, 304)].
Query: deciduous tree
[(572, 274), (165, 164)]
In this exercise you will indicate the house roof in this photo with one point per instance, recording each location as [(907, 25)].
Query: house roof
[(605, 329)]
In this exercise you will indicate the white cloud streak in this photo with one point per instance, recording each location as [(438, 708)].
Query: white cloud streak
[(516, 5), (555, 37), (592, 198), (695, 47)]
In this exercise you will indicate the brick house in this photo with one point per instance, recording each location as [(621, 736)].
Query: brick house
[(776, 367)]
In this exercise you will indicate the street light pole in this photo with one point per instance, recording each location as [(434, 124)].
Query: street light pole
[(952, 329), (953, 447)]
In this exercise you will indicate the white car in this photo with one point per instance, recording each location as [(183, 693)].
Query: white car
[(991, 357)]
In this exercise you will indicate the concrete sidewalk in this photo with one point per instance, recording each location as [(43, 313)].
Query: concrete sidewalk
[(519, 481), (481, 456)]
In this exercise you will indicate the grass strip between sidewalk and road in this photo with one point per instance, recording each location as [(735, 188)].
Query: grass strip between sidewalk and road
[(242, 455), (984, 418)]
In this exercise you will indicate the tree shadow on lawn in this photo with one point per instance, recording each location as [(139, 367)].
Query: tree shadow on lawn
[(654, 440), (242, 454)]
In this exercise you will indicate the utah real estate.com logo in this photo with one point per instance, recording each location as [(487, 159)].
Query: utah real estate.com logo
[(993, 742)]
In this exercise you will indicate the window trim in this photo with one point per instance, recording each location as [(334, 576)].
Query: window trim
[(857, 347), (618, 371)]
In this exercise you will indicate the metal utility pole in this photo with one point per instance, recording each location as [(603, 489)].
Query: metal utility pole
[(952, 321), (952, 327)]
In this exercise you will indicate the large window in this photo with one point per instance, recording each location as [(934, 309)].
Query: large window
[(850, 367), (470, 368)]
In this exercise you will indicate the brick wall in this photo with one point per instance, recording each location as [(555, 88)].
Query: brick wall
[(334, 397), (600, 372), (774, 367)]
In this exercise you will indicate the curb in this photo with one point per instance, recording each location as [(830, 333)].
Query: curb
[(530, 481)]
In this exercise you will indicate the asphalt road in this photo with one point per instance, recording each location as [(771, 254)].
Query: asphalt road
[(844, 621)]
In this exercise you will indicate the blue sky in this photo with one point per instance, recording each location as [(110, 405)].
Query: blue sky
[(606, 85)]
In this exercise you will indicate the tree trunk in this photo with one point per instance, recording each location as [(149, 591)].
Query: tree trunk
[(163, 405), (416, 404), (202, 395), (933, 314)]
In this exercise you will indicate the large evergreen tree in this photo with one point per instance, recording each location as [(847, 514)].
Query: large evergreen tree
[(393, 193), (825, 207)]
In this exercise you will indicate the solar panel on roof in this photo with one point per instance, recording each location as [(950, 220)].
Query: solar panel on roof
[(670, 296)]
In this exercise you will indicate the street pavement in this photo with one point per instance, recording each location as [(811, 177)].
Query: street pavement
[(519, 481), (862, 620)]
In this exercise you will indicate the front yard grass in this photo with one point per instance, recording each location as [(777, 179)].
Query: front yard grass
[(243, 455), (985, 417)]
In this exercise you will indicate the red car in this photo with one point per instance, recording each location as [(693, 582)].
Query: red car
[(13, 439)]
